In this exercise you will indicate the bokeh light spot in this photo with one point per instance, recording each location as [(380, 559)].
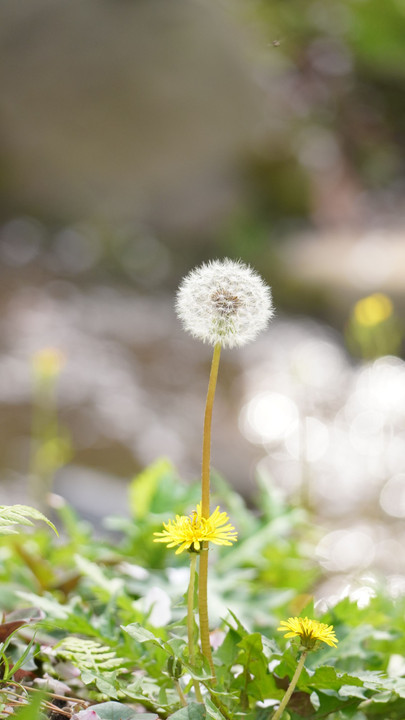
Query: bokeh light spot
[(268, 417), (367, 432), (309, 441), (392, 496), (345, 550), (20, 241)]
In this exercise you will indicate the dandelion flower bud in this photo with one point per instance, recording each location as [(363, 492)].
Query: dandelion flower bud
[(224, 302)]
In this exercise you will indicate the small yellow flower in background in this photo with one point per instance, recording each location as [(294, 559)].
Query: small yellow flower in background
[(48, 363), (373, 309), (190, 531), (310, 631)]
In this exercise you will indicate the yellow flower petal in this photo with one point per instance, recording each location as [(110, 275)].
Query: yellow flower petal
[(310, 631), (191, 531)]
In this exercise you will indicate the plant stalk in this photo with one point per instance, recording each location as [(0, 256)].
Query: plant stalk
[(206, 455), (180, 693), (277, 715), (205, 509), (190, 622)]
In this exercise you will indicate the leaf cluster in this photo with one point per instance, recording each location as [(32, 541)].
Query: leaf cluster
[(107, 617)]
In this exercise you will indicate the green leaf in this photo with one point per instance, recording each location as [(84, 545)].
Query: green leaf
[(378, 37), (239, 627), (143, 487), (383, 697), (110, 586), (140, 634), (116, 711), (47, 604), (142, 688), (252, 643), (75, 624), (177, 645), (193, 711), (270, 647), (228, 651), (198, 673), (330, 703), (212, 711), (97, 663), (11, 515), (352, 691), (398, 685), (31, 711), (105, 686), (326, 678), (8, 673), (87, 653), (372, 678)]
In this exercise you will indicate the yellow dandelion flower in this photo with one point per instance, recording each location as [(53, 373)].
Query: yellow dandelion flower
[(310, 631), (48, 363), (190, 531), (373, 310)]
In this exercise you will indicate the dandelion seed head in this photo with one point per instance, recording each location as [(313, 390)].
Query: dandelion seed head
[(225, 302)]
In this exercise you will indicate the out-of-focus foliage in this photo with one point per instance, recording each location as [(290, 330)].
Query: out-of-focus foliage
[(340, 71), (333, 75), (373, 328), (113, 616)]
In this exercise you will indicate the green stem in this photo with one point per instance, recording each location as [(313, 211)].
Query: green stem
[(206, 456), (244, 698), (180, 693), (205, 509), (44, 430), (190, 622), (203, 607), (277, 715)]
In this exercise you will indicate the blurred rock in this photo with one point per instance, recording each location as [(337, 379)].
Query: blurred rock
[(120, 108)]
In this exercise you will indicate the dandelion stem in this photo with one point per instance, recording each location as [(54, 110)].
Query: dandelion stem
[(180, 693), (277, 715), (203, 607), (190, 622), (206, 457), (205, 509)]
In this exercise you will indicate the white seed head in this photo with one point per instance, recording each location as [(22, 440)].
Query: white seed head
[(224, 302)]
